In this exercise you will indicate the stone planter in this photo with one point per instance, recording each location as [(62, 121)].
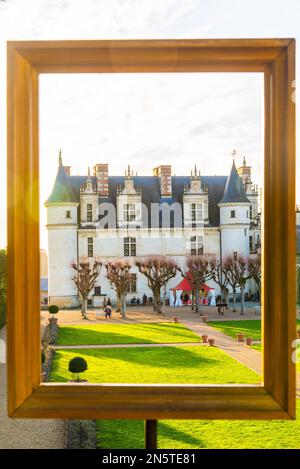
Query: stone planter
[(240, 337), (53, 320), (249, 340), (204, 318), (204, 338), (211, 342)]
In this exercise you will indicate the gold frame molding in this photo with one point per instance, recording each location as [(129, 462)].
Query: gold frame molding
[(27, 396)]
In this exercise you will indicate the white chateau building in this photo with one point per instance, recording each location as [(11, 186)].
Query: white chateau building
[(111, 217)]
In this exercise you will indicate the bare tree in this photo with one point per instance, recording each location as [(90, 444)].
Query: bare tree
[(236, 267), (198, 272), (228, 267), (254, 269), (84, 278), (220, 277), (118, 274), (158, 270)]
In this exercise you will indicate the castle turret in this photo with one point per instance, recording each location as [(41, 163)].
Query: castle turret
[(251, 189), (234, 216), (62, 223)]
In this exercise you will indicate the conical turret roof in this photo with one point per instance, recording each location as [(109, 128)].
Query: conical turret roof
[(234, 190), (62, 190)]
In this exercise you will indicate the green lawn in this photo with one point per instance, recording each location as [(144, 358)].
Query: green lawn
[(148, 333), (181, 434), (205, 365), (251, 328), (187, 364)]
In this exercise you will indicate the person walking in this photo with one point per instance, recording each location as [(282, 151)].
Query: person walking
[(108, 312)]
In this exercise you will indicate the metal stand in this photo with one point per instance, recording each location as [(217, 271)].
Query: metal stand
[(150, 434)]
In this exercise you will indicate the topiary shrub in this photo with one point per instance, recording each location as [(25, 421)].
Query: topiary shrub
[(78, 365), (53, 309)]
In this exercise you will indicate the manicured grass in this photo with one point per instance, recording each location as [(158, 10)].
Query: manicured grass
[(181, 434), (186, 364), (97, 334), (251, 328), (257, 347)]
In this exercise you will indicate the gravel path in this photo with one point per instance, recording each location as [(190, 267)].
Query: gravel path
[(27, 433)]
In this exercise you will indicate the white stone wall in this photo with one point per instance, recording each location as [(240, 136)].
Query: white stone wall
[(57, 214), (62, 245), (108, 244), (241, 214)]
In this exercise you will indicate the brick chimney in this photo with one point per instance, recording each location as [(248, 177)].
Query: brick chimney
[(101, 173), (164, 172)]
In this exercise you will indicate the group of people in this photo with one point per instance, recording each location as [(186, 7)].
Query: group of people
[(185, 298)]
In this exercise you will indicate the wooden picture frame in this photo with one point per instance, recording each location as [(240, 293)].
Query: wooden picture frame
[(27, 397)]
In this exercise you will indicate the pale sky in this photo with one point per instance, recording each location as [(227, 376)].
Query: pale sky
[(177, 119)]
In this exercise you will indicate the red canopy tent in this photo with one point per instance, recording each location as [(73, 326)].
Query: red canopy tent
[(186, 286)]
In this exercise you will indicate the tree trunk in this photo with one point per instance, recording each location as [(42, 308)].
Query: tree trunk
[(123, 307), (84, 308), (118, 309), (154, 304), (259, 292), (234, 300), (226, 297), (197, 301), (242, 300), (159, 307)]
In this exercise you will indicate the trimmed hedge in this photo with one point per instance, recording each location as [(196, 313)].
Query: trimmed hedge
[(81, 434)]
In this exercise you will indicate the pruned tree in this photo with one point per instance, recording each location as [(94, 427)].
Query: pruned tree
[(236, 267), (198, 272), (254, 269), (118, 274), (158, 270), (85, 277), (228, 267), (220, 277)]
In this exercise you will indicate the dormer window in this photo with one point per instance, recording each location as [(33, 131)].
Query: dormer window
[(196, 212), (89, 212), (129, 212), (68, 214)]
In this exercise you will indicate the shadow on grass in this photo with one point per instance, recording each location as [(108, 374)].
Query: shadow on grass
[(158, 356), (129, 434), (166, 431), (88, 335)]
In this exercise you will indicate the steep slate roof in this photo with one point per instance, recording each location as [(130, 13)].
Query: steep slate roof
[(234, 189), (67, 189)]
